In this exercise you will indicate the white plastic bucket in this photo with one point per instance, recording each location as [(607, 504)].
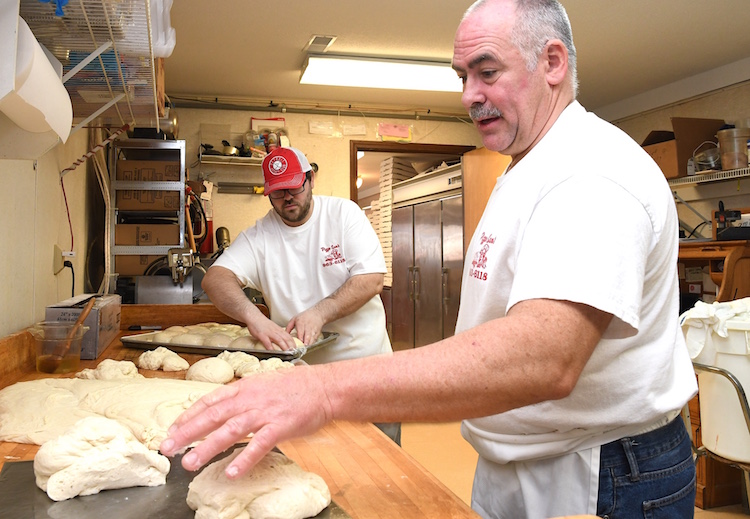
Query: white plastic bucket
[(723, 428)]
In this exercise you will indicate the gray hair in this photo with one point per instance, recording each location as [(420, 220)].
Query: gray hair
[(537, 22)]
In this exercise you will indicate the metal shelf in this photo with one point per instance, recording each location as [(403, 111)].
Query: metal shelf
[(146, 149), (107, 52), (230, 160), (712, 176)]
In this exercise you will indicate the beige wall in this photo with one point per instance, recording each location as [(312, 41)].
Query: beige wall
[(34, 219), (331, 153), (730, 104)]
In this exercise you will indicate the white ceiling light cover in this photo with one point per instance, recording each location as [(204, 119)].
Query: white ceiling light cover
[(353, 71)]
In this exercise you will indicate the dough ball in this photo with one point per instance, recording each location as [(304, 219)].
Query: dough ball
[(217, 339), (110, 369), (246, 342), (237, 358), (211, 369), (248, 368), (197, 329), (273, 364), (189, 339), (276, 487), (164, 337), (95, 455), (162, 358), (176, 329)]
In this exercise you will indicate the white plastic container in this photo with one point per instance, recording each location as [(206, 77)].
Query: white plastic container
[(723, 428)]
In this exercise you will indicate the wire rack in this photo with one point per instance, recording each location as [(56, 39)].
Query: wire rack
[(106, 49)]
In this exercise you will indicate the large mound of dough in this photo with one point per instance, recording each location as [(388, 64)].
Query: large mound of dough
[(162, 358), (276, 488), (110, 369), (96, 454), (37, 411), (211, 369)]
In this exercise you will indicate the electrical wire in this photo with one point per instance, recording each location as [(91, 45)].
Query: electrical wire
[(695, 229), (67, 210), (73, 276)]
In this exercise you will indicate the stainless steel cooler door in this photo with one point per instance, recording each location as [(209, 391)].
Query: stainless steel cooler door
[(453, 261), (428, 274), (402, 324)]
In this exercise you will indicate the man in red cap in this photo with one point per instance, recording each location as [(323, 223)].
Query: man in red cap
[(318, 263)]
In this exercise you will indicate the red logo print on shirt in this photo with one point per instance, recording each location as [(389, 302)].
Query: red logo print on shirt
[(332, 255), (478, 268)]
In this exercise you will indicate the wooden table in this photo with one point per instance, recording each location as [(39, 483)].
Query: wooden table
[(369, 476)]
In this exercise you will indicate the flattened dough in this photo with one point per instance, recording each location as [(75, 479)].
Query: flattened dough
[(276, 488), (96, 454), (37, 411)]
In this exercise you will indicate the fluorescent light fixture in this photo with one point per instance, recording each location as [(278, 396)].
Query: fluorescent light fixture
[(354, 71), (360, 154)]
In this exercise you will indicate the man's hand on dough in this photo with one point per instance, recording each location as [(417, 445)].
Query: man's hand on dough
[(308, 324), (273, 407), (271, 335)]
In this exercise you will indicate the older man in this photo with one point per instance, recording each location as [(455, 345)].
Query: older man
[(568, 365)]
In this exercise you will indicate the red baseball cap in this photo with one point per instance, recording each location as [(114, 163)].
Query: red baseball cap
[(284, 168)]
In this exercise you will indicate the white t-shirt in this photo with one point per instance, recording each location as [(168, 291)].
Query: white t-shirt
[(585, 216), (295, 267)]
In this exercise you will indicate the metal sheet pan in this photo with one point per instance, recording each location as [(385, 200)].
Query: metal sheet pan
[(20, 498), (145, 341)]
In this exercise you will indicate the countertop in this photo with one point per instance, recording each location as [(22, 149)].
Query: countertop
[(368, 475)]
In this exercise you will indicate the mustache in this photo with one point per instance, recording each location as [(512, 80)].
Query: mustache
[(477, 112)]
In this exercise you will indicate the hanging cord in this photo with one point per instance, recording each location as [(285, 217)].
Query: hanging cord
[(195, 199), (67, 210), (73, 276)]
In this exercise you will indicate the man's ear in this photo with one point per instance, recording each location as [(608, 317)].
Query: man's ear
[(555, 56), (312, 179)]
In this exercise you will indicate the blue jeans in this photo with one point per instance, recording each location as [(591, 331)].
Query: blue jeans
[(651, 475)]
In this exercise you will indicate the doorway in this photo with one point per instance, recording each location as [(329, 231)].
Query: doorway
[(415, 152)]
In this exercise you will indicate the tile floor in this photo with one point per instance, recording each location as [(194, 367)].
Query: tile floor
[(441, 450)]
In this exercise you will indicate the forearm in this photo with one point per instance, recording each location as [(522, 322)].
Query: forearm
[(501, 365), (226, 293), (350, 296)]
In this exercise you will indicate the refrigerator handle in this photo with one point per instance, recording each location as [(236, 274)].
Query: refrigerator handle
[(446, 295), (411, 283), (417, 280)]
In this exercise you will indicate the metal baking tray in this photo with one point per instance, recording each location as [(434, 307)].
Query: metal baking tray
[(22, 499), (145, 341)]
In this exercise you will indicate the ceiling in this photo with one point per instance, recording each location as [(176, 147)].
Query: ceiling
[(240, 52)]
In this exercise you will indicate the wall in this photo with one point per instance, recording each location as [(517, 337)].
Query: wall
[(730, 104), (331, 153), (33, 220)]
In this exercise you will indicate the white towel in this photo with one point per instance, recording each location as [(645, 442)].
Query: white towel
[(703, 320)]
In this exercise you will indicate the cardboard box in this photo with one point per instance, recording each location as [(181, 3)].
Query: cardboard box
[(127, 200), (103, 321), (147, 171), (672, 150), (134, 265), (147, 235)]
